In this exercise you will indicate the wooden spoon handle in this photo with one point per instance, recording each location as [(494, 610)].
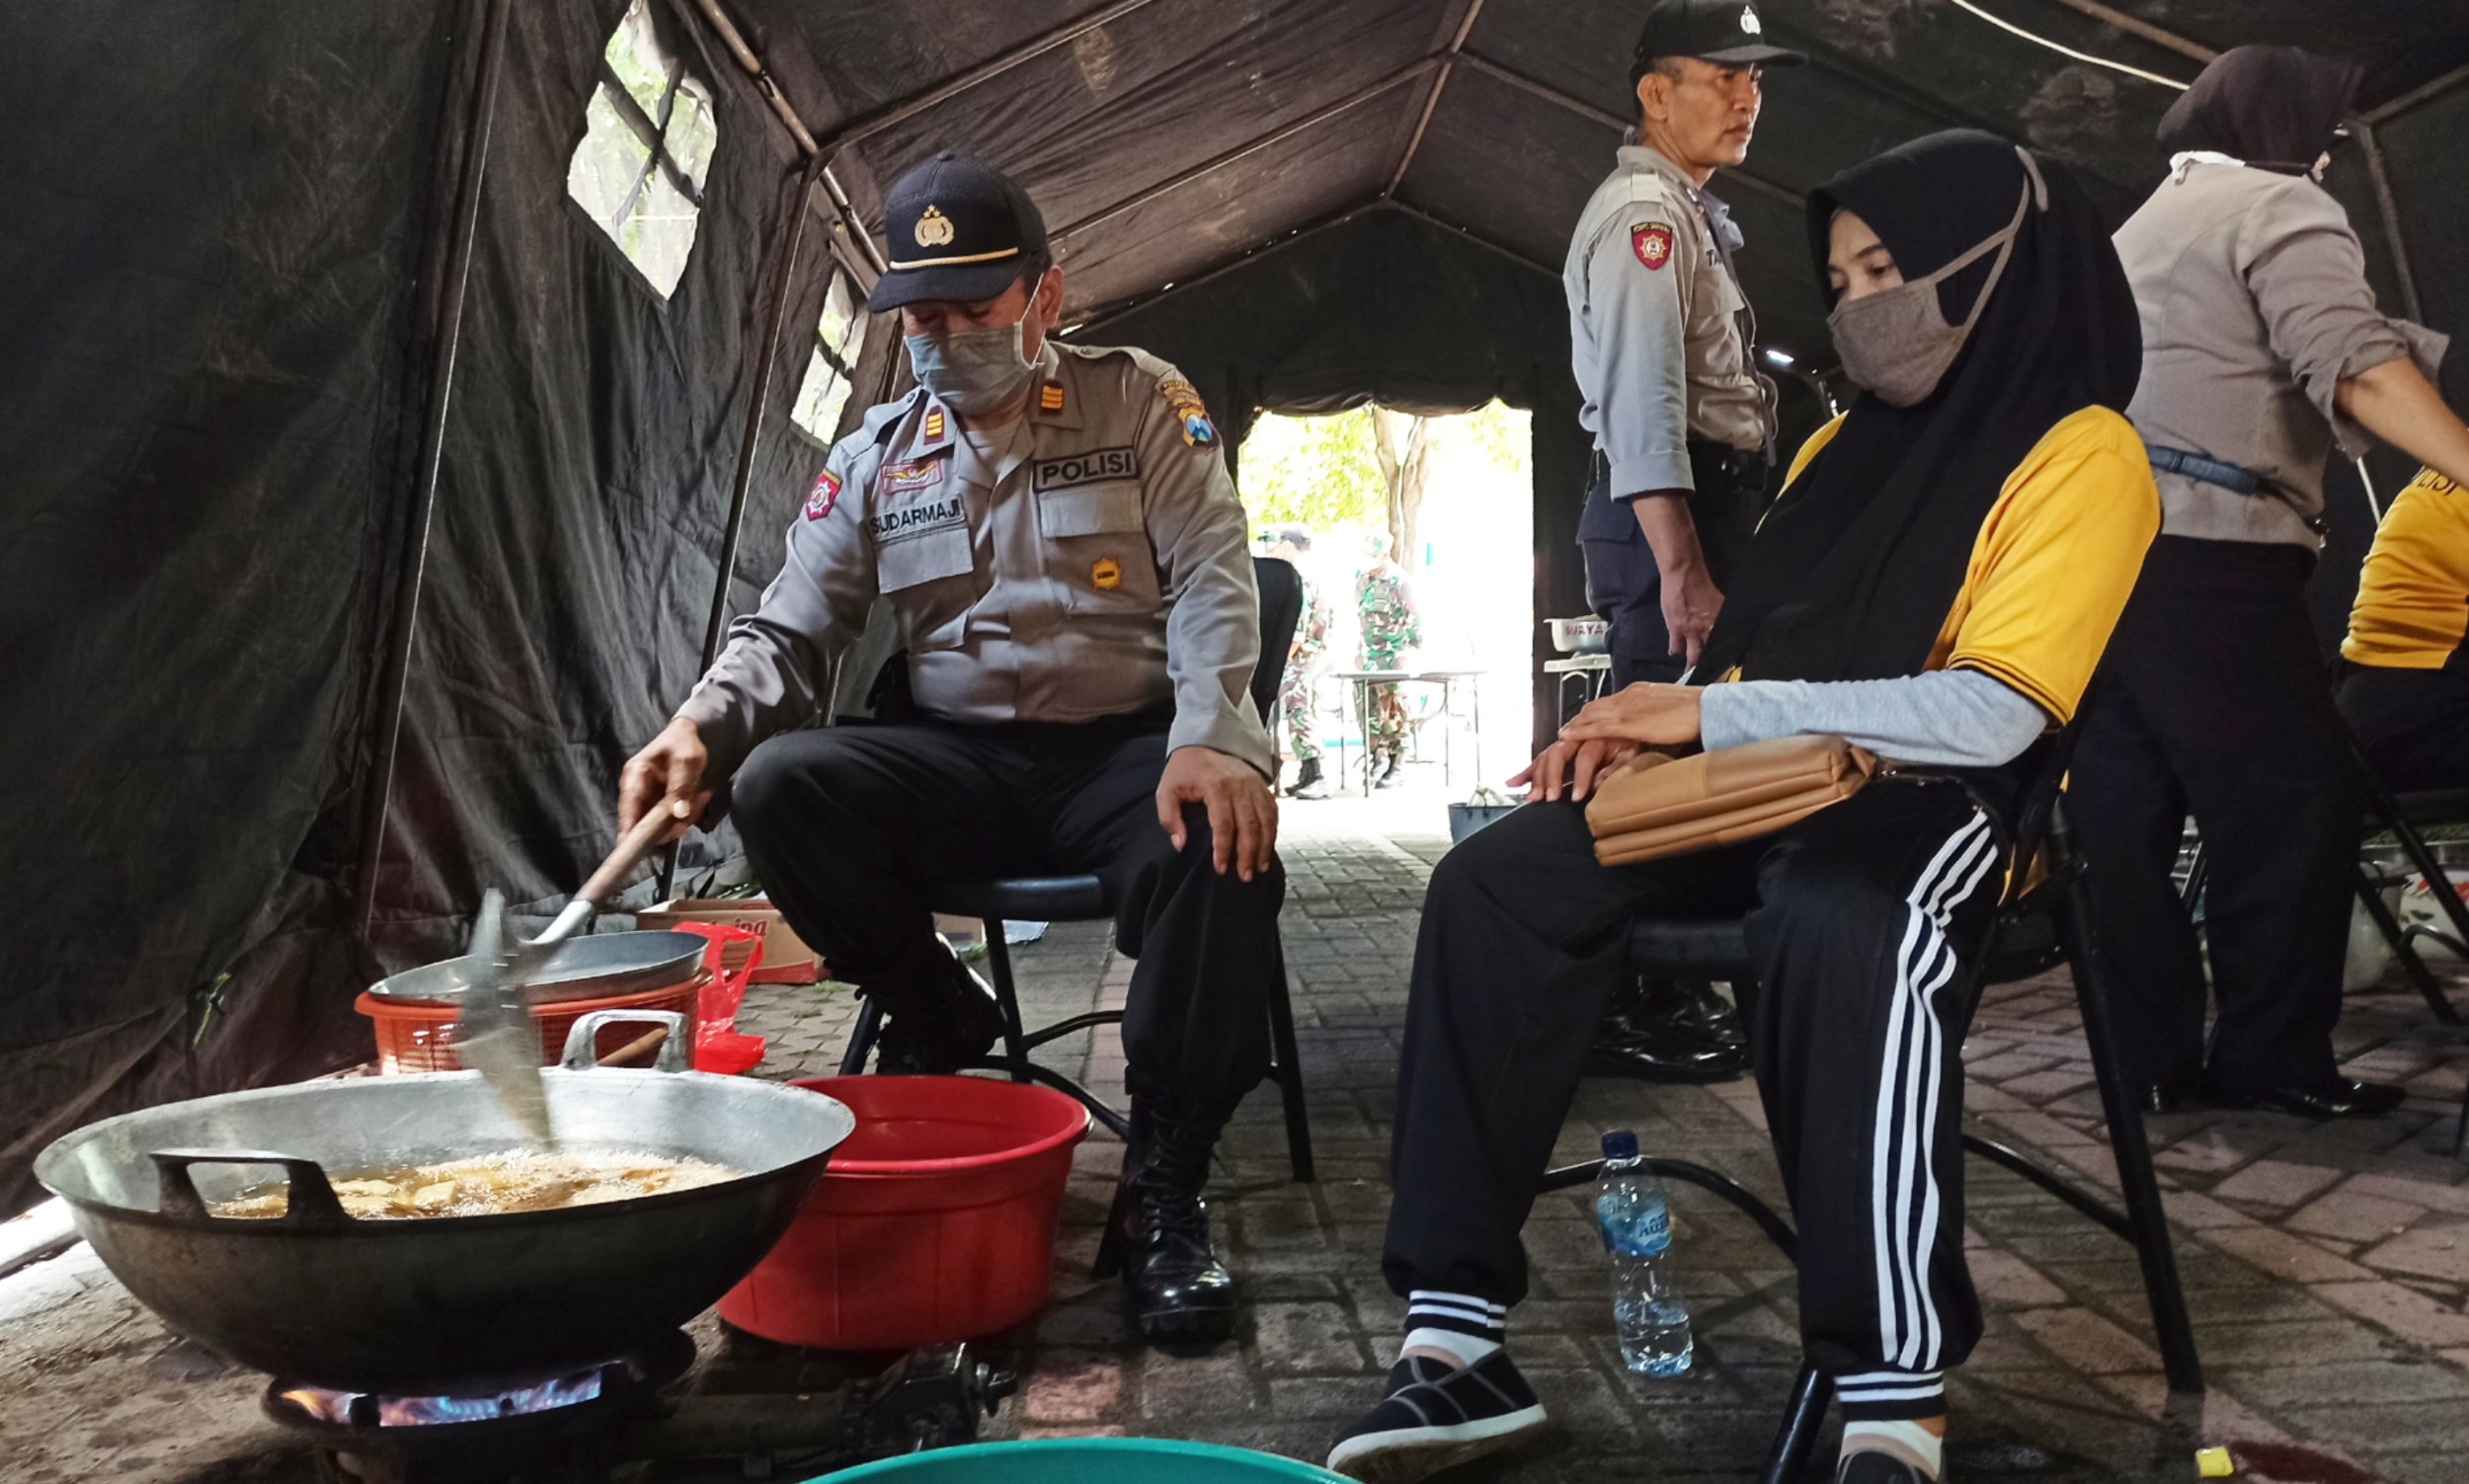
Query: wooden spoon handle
[(638, 843)]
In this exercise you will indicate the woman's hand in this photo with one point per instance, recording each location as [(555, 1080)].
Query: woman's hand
[(1653, 715), (1580, 764)]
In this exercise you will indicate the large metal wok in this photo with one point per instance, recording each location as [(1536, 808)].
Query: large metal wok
[(422, 1306)]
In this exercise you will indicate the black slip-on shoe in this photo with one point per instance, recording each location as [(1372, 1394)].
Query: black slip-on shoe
[(1435, 1417), (2338, 1097), (1872, 1468)]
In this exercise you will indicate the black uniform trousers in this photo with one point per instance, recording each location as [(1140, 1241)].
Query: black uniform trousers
[(849, 827), (2214, 701), (1860, 922), (2412, 724), (1625, 587)]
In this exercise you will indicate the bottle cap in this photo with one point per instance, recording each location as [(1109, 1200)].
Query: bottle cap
[(1620, 1144)]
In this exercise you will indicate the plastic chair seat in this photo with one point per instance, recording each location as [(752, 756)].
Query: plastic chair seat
[(1025, 899)]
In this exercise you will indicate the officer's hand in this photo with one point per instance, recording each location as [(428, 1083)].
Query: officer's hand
[(1574, 767), (1656, 716), (670, 768), (1242, 807), (1691, 601)]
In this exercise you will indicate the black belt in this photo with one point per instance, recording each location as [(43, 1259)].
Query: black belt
[(2210, 471), (1750, 464)]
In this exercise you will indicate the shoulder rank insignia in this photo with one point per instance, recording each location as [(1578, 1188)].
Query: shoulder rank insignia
[(824, 495), (1651, 241), (1197, 431), (1050, 397), (934, 424)]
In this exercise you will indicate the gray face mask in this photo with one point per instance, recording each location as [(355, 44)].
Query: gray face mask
[(973, 371), (1897, 343)]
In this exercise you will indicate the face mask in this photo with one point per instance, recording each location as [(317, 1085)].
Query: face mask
[(1897, 343), (973, 371)]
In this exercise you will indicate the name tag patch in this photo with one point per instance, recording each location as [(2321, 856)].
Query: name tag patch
[(1097, 466), (901, 481), (917, 518)]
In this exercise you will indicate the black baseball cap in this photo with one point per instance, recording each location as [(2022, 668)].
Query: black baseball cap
[(956, 228), (1715, 30)]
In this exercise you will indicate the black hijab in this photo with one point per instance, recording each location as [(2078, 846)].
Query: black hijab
[(2274, 107), (1854, 572)]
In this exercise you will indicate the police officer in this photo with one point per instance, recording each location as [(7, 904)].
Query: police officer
[(1684, 427), (1056, 536)]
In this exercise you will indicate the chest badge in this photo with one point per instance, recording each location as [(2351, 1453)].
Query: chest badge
[(1652, 243), (824, 495), (1105, 573)]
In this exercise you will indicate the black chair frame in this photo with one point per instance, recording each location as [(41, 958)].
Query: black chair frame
[(2048, 924)]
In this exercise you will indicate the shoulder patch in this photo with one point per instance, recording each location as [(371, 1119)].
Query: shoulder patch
[(823, 496), (1651, 241), (1198, 432)]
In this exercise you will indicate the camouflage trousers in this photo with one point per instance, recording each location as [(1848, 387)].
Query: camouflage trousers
[(1302, 723)]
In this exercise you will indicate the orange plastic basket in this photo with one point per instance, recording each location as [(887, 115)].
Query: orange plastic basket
[(417, 1036)]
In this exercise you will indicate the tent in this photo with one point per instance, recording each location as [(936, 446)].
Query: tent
[(369, 487)]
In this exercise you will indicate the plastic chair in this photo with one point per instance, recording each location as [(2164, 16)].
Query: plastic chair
[(1084, 899), (2048, 922)]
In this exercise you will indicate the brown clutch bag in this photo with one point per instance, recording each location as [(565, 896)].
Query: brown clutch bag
[(1657, 804)]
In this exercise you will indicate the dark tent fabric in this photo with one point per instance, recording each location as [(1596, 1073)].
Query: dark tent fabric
[(219, 301)]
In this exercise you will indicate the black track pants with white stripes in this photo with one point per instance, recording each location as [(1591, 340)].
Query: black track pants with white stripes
[(1854, 917)]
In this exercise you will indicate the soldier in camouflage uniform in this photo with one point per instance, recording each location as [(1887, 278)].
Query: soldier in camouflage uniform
[(1390, 626), (1297, 699)]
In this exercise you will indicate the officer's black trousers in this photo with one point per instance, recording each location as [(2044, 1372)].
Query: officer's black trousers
[(1625, 586), (2214, 701), (1857, 920), (849, 826), (2414, 723)]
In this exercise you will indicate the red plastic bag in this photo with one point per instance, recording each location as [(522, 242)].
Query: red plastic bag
[(719, 1047)]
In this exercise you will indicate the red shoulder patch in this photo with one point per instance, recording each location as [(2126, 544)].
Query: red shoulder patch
[(1651, 241), (824, 495)]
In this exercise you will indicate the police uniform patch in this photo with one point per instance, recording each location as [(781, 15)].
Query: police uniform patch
[(1198, 432), (1050, 397), (900, 480), (1651, 241), (916, 517), (935, 229), (1106, 574), (1095, 466), (823, 496), (933, 424)]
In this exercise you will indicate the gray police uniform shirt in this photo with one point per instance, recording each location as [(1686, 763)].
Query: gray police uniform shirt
[(2252, 291), (1656, 328), (1090, 562)]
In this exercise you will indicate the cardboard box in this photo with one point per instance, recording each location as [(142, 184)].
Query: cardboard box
[(786, 958)]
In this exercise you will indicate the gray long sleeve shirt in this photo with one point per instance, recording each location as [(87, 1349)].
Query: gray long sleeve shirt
[(1089, 563), (1943, 718), (2252, 290)]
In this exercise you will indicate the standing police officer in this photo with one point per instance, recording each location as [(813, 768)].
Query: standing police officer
[(1054, 533), (1684, 427)]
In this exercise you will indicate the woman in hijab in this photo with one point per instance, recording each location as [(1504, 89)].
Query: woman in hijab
[(1935, 584), (2262, 348)]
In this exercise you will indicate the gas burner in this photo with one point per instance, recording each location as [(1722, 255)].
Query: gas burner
[(362, 1408)]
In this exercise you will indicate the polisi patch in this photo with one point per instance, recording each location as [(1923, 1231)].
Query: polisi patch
[(901, 481), (1094, 466), (1652, 243), (823, 496), (917, 518)]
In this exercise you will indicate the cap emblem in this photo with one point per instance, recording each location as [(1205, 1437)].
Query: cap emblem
[(935, 229), (1750, 25)]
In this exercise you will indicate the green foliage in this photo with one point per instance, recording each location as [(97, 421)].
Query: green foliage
[(1317, 472)]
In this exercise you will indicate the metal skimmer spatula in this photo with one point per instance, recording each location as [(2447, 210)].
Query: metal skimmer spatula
[(493, 1032)]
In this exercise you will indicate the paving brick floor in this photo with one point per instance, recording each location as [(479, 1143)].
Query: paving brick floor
[(2327, 1265)]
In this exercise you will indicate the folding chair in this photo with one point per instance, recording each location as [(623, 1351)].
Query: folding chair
[(996, 900), (2046, 921)]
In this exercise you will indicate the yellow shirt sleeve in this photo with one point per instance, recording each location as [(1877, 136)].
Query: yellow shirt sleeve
[(2413, 594), (2055, 561)]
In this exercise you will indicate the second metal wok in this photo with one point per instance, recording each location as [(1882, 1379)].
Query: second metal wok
[(422, 1306)]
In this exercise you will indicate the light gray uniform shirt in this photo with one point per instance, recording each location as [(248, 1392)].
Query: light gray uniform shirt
[(1655, 327), (1088, 562), (2252, 290)]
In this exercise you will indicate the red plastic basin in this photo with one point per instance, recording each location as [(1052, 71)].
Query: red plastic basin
[(933, 1222)]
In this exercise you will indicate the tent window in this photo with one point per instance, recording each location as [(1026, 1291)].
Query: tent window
[(840, 339), (647, 143)]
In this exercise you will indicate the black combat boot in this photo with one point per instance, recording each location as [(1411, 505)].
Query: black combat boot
[(1157, 1237), (1309, 783)]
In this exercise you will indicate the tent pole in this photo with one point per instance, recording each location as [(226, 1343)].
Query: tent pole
[(902, 110), (2390, 211), (1431, 99), (377, 785), (780, 269)]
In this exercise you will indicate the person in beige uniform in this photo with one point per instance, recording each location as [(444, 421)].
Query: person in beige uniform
[(1056, 535), (2262, 348)]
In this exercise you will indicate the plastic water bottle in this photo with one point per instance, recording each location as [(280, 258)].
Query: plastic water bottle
[(1635, 1220)]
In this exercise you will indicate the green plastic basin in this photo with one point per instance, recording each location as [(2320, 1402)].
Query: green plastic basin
[(1087, 1461)]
